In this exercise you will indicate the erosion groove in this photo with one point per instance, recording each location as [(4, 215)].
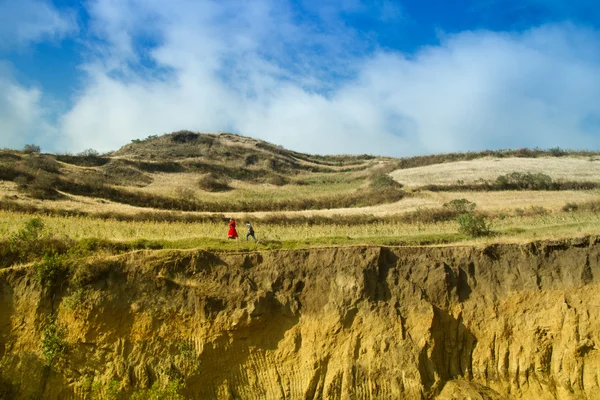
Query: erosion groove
[(501, 322)]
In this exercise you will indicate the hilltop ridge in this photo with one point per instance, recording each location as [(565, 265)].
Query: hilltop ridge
[(186, 144)]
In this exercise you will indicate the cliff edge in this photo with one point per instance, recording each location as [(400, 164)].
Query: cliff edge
[(504, 321)]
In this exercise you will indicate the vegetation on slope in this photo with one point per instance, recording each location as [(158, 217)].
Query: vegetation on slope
[(192, 183), (202, 172)]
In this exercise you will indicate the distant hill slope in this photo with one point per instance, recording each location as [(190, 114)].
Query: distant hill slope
[(226, 147), (227, 173), (190, 171), (489, 168)]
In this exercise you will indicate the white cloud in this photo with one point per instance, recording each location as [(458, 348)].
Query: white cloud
[(26, 21), (22, 119), (261, 71)]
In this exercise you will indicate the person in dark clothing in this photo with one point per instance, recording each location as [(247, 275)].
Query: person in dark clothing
[(250, 232)]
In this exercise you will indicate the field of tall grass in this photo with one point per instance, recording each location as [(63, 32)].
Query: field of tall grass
[(177, 191), (212, 235)]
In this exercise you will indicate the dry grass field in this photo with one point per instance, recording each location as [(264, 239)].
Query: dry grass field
[(213, 234), (312, 185), (181, 188), (489, 168), (486, 201)]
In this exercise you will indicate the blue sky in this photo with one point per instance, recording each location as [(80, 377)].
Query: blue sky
[(387, 77)]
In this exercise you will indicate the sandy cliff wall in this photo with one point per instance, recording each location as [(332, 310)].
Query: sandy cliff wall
[(506, 321)]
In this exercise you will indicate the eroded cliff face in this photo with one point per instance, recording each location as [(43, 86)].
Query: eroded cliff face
[(506, 321)]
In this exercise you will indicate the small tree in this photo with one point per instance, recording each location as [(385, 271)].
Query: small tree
[(570, 207), (468, 223), (473, 225), (89, 153), (213, 183), (382, 180), (31, 232), (31, 148)]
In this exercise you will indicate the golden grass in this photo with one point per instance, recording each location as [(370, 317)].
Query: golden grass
[(559, 168), (555, 225), (510, 200), (318, 185), (486, 201)]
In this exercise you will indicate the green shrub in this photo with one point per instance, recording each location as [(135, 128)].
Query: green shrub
[(53, 340), (382, 180), (538, 210), (212, 183), (473, 225), (570, 207), (593, 206), (251, 159), (171, 391), (524, 181), (88, 246), (109, 391), (83, 160), (145, 244), (184, 137), (30, 243), (31, 232), (43, 186), (41, 162), (25, 242), (89, 153), (187, 350), (124, 173), (31, 148), (460, 206), (557, 152), (277, 180), (49, 270)]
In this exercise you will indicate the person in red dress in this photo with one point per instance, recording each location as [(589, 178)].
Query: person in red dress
[(232, 234)]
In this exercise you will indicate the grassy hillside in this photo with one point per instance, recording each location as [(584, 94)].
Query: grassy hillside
[(201, 172), (180, 189)]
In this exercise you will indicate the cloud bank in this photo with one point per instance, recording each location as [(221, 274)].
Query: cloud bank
[(26, 21), (22, 116), (307, 80)]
